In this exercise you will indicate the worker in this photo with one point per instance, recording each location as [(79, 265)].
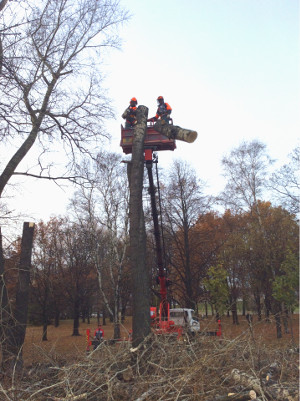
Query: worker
[(130, 114), (98, 336), (163, 111)]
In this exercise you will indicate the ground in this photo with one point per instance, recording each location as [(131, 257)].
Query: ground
[(162, 368), (62, 345)]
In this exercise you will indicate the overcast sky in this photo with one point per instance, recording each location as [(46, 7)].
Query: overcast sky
[(228, 68)]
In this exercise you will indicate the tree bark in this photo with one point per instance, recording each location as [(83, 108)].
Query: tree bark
[(45, 323), (15, 329), (76, 318), (5, 310), (56, 317), (175, 132), (141, 291), (258, 304)]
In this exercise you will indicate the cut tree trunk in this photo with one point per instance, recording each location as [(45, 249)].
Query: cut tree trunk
[(140, 288), (5, 310), (175, 132), (15, 328)]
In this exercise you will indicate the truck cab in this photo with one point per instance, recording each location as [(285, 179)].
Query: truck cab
[(184, 317)]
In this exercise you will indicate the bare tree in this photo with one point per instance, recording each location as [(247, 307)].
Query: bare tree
[(51, 90), (246, 169), (102, 207), (77, 267), (47, 256), (285, 182), (184, 202)]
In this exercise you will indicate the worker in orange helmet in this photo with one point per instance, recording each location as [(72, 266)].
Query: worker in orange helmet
[(163, 111), (130, 113)]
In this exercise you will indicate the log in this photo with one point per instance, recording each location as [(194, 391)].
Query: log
[(244, 396), (246, 380), (175, 132), (274, 392)]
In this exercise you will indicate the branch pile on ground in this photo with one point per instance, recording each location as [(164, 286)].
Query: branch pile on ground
[(164, 368)]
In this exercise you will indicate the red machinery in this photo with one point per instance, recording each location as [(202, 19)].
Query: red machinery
[(154, 141)]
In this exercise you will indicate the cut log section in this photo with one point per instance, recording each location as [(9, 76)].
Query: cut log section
[(175, 132)]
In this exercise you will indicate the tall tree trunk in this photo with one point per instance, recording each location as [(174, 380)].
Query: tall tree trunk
[(258, 304), (277, 313), (45, 323), (244, 304), (141, 290), (5, 310), (190, 302), (45, 331), (76, 318), (16, 329), (103, 317), (56, 317), (45, 314), (285, 319), (268, 305), (235, 319)]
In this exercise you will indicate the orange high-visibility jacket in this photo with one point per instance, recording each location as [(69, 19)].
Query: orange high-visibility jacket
[(163, 110), (130, 114)]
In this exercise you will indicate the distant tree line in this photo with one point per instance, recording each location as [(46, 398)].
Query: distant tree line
[(247, 254)]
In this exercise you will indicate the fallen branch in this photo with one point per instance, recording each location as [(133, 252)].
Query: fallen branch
[(72, 397), (145, 395)]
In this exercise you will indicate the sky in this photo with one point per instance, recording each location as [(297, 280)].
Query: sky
[(228, 68)]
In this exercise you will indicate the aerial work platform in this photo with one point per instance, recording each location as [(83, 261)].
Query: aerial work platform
[(153, 140)]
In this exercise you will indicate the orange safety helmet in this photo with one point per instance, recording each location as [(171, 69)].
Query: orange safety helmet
[(133, 100), (160, 100)]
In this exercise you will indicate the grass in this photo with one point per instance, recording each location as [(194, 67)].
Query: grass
[(61, 345)]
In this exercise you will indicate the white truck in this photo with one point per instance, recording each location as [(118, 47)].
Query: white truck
[(184, 317)]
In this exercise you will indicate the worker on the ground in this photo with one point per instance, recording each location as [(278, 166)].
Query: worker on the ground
[(163, 111), (130, 113), (98, 336)]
